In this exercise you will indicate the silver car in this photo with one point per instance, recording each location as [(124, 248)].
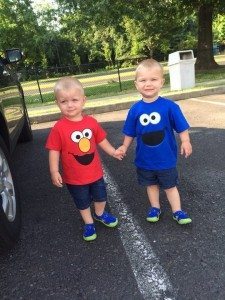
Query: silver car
[(14, 127)]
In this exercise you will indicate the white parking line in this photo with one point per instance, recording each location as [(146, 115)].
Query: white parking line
[(152, 281), (207, 101)]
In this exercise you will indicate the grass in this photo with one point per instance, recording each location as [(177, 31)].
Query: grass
[(111, 87), (212, 75)]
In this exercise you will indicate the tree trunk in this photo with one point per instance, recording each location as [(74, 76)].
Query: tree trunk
[(205, 59)]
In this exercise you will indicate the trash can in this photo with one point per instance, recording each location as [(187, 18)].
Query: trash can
[(181, 70)]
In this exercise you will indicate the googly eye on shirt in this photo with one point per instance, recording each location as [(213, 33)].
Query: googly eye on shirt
[(154, 118), (76, 136)]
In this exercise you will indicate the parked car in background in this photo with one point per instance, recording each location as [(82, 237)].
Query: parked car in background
[(14, 127)]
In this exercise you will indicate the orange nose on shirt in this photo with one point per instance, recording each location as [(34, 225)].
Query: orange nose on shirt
[(84, 145)]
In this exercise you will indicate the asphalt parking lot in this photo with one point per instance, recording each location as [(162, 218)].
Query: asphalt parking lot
[(137, 260)]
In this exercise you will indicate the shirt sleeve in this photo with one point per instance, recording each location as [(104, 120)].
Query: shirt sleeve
[(129, 127), (54, 140), (179, 121), (100, 133)]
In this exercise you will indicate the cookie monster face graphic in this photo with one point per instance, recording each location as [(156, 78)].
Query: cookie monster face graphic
[(152, 137), (83, 141)]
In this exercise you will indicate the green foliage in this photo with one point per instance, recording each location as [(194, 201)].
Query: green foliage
[(18, 24), (78, 31), (219, 29)]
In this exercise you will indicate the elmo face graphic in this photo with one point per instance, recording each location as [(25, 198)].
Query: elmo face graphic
[(83, 140)]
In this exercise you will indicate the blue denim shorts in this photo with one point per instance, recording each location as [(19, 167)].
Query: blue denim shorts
[(166, 179), (83, 195)]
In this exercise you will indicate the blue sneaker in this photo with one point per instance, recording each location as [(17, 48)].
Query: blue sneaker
[(181, 217), (89, 233), (153, 214), (107, 219)]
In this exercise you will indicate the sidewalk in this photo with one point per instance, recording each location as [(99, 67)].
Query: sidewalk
[(47, 113)]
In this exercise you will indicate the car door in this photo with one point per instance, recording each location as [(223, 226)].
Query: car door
[(10, 98)]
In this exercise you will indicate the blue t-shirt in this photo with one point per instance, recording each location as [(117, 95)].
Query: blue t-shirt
[(153, 124)]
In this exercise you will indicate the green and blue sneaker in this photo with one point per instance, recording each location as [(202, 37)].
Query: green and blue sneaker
[(89, 233), (153, 214), (107, 219), (181, 217)]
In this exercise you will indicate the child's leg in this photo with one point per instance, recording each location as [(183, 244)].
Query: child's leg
[(81, 197), (99, 194), (173, 198), (86, 215), (99, 207), (89, 232), (104, 217), (153, 195)]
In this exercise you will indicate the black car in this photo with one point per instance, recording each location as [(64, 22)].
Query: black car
[(14, 127)]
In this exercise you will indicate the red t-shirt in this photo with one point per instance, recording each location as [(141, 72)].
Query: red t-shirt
[(77, 143)]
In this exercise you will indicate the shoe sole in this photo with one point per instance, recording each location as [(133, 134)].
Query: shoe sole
[(111, 225), (153, 220), (90, 238), (183, 221)]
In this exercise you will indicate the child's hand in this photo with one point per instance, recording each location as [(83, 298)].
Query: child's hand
[(119, 154), (57, 179), (123, 148), (186, 148)]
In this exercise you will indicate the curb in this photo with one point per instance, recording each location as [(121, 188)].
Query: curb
[(126, 105)]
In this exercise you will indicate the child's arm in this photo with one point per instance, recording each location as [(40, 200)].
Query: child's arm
[(54, 168), (126, 143), (185, 148), (109, 149)]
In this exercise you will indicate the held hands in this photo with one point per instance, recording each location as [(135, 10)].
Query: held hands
[(57, 179), (120, 152), (123, 148), (186, 148)]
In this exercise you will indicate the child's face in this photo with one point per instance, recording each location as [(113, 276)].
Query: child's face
[(149, 82), (71, 103)]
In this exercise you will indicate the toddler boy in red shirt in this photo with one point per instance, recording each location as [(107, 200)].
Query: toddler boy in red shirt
[(74, 139)]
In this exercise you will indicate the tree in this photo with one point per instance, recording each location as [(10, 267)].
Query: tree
[(86, 31), (160, 19), (219, 29), (205, 10), (205, 57), (19, 28), (144, 32)]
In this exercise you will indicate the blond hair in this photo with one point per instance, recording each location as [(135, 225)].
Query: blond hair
[(148, 64), (67, 83)]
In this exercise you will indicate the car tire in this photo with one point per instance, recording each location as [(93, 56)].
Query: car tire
[(26, 133), (10, 213)]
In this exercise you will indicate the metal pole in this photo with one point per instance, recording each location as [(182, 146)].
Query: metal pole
[(118, 71), (39, 86)]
